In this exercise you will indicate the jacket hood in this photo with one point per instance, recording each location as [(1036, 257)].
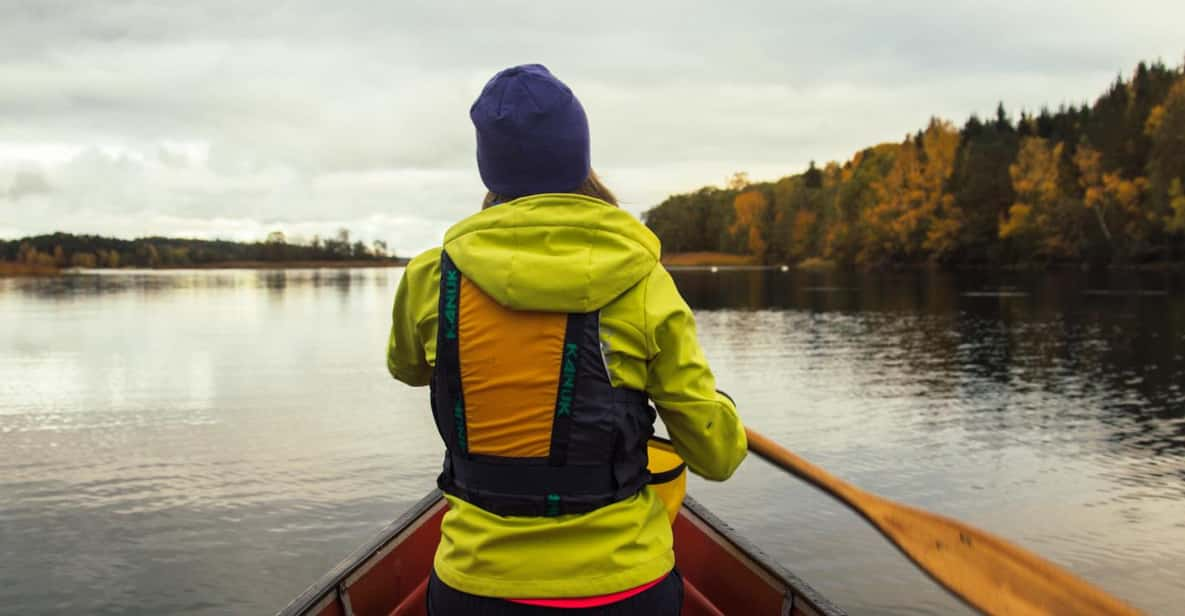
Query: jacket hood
[(557, 252)]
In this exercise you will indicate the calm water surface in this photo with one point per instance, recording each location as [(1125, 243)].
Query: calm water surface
[(212, 442)]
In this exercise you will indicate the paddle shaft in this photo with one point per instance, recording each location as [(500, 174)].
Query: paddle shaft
[(985, 571)]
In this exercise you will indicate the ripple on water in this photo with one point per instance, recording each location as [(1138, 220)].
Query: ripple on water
[(219, 460)]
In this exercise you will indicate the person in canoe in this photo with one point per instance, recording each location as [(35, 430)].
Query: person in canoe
[(544, 326)]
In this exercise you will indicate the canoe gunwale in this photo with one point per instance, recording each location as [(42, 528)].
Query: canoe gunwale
[(334, 584), (797, 588)]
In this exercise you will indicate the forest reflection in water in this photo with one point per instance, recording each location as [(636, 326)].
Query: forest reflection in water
[(1119, 332), (211, 441)]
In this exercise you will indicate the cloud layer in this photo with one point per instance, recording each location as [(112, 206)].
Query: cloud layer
[(227, 119)]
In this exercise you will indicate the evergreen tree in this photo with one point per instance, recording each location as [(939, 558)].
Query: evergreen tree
[(813, 177)]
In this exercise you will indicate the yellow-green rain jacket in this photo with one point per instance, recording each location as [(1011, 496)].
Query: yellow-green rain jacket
[(571, 253)]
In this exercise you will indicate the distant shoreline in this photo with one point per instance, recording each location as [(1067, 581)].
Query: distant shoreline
[(315, 264), (9, 269), (707, 259), (719, 261)]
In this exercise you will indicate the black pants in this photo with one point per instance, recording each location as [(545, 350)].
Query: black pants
[(662, 599)]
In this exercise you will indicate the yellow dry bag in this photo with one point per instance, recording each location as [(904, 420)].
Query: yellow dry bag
[(668, 474)]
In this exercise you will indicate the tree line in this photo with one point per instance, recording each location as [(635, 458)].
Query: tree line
[(1099, 184), (69, 250)]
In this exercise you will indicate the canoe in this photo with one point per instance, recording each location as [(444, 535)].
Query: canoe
[(722, 572)]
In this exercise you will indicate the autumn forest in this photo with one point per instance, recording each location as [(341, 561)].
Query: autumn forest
[(1097, 184)]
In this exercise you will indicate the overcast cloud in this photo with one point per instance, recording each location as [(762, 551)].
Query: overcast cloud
[(232, 119)]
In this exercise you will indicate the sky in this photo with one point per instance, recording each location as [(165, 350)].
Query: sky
[(231, 119)]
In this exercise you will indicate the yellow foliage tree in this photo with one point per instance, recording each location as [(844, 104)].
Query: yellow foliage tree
[(1041, 221), (29, 255), (940, 142), (1166, 167), (800, 234), (750, 209), (83, 259), (1155, 120), (1110, 195), (1175, 222), (107, 258), (1127, 196), (1088, 161), (912, 213)]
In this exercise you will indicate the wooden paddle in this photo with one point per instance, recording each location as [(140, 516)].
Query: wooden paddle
[(983, 570)]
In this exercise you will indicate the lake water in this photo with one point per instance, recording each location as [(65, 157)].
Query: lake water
[(211, 442)]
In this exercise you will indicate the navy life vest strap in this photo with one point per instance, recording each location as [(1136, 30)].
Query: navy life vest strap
[(565, 398), (448, 398), (529, 475)]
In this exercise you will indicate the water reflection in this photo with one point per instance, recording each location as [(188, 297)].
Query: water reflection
[(87, 283), (210, 442), (274, 280), (1049, 408), (1117, 341)]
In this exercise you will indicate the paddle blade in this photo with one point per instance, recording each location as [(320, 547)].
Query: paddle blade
[(986, 571)]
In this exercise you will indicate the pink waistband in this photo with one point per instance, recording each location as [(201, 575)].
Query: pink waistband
[(578, 602)]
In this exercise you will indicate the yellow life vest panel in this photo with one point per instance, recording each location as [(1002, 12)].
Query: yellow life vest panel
[(523, 400)]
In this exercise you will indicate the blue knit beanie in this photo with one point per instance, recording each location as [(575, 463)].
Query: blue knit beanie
[(532, 134)]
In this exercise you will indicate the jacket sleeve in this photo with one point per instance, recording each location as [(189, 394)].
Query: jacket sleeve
[(411, 348), (702, 422)]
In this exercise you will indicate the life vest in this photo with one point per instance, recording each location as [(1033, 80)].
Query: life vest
[(523, 400)]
